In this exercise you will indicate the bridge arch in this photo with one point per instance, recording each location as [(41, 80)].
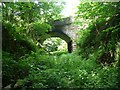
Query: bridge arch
[(61, 35), (64, 29)]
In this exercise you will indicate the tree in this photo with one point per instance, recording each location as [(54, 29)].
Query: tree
[(27, 21), (102, 31)]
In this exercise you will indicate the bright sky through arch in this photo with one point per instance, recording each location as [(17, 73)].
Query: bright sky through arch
[(70, 8)]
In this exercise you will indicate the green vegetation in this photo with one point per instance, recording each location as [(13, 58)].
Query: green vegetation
[(27, 63)]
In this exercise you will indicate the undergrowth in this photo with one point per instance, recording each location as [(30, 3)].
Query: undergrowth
[(67, 71)]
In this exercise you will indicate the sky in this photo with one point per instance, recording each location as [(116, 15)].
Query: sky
[(70, 8)]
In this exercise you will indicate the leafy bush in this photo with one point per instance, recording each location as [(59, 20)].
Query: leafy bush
[(11, 69), (16, 43), (40, 28), (68, 71), (104, 39)]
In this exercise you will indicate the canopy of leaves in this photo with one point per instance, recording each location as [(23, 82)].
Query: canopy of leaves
[(97, 11), (103, 28), (27, 21)]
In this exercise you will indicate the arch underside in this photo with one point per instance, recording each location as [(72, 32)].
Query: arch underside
[(62, 36)]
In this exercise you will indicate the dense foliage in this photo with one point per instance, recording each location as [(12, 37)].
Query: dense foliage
[(103, 30), (27, 63)]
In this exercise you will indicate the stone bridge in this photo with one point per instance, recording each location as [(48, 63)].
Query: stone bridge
[(64, 29)]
